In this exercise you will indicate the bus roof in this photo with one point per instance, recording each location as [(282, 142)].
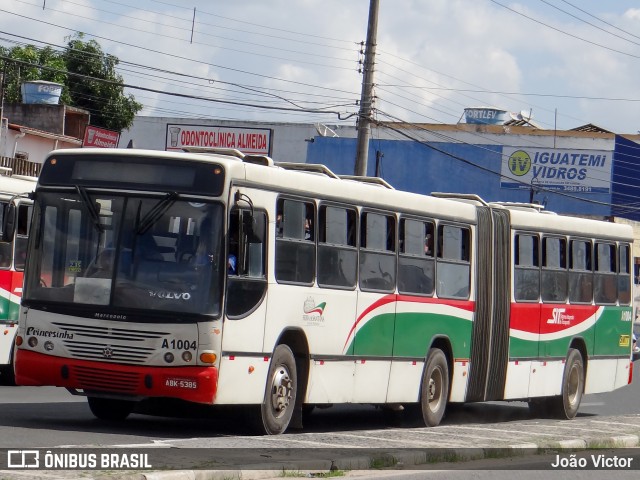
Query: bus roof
[(15, 185), (306, 180)]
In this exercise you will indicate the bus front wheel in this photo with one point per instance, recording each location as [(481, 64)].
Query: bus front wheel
[(109, 408), (434, 392), (280, 392)]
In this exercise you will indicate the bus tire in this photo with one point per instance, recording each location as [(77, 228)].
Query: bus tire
[(110, 409), (434, 391), (280, 392), (565, 406)]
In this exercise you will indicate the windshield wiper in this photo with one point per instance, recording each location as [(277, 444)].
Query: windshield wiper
[(156, 212), (91, 208)]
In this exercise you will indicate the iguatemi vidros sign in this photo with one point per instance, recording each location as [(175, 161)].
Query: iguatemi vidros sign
[(579, 171)]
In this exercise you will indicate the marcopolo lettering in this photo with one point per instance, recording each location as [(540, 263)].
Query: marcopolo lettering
[(49, 333)]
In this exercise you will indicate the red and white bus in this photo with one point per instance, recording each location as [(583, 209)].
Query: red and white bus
[(15, 214), (225, 279)]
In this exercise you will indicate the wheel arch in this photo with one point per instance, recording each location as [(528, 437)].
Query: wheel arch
[(578, 343), (443, 342)]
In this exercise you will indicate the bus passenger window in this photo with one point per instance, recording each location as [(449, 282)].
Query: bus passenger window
[(580, 275), (554, 270), (527, 269), (624, 274), (337, 252), (604, 277), (453, 273), (377, 252), (416, 267), (295, 249)]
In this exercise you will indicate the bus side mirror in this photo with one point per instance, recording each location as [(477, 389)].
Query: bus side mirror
[(9, 222)]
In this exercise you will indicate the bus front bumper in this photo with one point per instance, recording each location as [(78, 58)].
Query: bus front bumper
[(194, 384)]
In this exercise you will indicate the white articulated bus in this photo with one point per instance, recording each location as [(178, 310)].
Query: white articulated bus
[(225, 279), (15, 216)]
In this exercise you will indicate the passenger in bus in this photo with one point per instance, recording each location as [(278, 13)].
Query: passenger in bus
[(428, 245), (232, 268), (308, 232)]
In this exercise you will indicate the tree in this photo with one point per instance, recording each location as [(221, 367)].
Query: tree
[(96, 86), (88, 75)]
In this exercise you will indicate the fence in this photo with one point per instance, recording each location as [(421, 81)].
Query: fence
[(19, 166)]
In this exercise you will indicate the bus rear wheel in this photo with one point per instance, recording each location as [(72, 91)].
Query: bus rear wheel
[(566, 405), (280, 392), (434, 392), (110, 409)]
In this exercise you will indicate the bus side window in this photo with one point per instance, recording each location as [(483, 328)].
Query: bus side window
[(22, 235), (337, 252), (554, 270), (377, 252), (580, 274), (453, 271), (416, 266), (624, 274), (527, 268), (5, 247), (295, 249), (604, 277)]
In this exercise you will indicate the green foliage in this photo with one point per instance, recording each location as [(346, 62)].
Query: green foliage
[(87, 73)]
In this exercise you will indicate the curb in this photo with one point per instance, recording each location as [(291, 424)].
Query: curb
[(396, 461)]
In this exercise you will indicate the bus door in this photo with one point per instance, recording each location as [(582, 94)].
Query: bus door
[(525, 314), (375, 321)]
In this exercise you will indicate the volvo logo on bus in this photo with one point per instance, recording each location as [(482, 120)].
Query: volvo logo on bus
[(107, 352)]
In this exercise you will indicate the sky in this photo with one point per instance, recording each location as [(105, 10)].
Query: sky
[(564, 63)]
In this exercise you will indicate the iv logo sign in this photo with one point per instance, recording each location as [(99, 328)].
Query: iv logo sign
[(519, 163)]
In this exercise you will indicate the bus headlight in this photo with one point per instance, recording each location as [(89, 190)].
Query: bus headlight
[(168, 357), (33, 342), (48, 346), (187, 356)]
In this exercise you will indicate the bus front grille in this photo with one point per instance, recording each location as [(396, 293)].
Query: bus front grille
[(90, 378), (109, 353)]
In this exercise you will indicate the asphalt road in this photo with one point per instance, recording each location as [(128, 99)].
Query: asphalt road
[(32, 417)]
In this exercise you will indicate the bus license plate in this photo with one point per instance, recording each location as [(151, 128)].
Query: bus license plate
[(181, 383)]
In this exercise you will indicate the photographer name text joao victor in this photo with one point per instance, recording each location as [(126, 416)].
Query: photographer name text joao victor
[(592, 461)]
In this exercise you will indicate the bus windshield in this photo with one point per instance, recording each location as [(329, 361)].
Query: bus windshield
[(110, 252)]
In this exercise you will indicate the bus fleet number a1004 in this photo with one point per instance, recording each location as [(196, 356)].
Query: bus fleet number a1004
[(174, 344)]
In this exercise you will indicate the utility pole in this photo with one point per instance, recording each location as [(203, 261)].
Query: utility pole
[(366, 100)]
